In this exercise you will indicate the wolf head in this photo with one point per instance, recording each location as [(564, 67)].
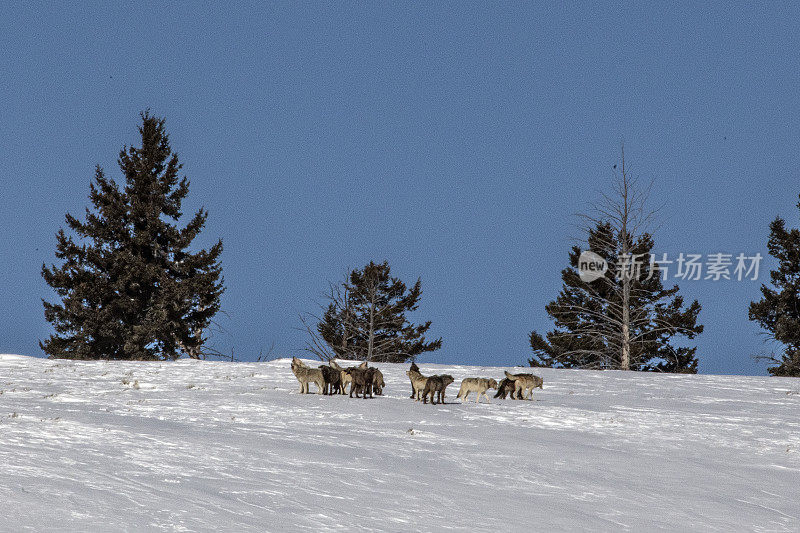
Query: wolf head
[(297, 364), (413, 373)]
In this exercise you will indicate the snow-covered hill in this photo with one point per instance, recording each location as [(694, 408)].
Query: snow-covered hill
[(191, 445)]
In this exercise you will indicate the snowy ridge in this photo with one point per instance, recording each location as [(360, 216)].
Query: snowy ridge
[(198, 445)]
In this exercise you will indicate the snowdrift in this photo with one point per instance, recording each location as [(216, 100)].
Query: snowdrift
[(196, 445)]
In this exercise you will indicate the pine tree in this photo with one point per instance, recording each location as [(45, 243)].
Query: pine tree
[(778, 311), (626, 319), (366, 319), (588, 316), (129, 287)]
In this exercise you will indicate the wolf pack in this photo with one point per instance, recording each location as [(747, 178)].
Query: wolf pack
[(366, 381)]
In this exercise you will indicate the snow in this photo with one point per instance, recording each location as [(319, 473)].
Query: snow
[(202, 446)]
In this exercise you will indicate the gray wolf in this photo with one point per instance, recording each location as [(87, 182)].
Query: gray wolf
[(372, 381), (357, 379), (525, 383), (363, 380), (479, 385), (417, 381), (345, 377), (378, 384), (435, 385), (306, 375), (505, 388), (333, 379)]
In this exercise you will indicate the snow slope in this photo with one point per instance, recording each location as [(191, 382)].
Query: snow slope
[(201, 446)]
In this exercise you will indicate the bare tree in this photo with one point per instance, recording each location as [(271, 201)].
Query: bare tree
[(624, 319), (326, 339), (626, 211), (201, 347)]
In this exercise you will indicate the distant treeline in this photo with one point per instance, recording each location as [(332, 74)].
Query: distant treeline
[(129, 288)]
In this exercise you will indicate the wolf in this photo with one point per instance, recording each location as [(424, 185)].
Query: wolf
[(357, 379), (345, 377), (505, 388), (372, 381), (525, 383), (435, 385), (378, 384), (306, 375), (333, 379), (479, 385), (363, 380), (417, 381)]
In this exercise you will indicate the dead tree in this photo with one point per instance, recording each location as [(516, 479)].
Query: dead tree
[(626, 318)]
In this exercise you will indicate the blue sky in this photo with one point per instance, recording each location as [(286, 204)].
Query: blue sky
[(455, 140)]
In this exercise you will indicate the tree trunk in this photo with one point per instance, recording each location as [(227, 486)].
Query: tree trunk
[(371, 331), (625, 359), (345, 321)]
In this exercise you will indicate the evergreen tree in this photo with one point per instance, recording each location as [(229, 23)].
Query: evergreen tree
[(366, 319), (588, 316), (132, 289), (626, 319), (778, 311)]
